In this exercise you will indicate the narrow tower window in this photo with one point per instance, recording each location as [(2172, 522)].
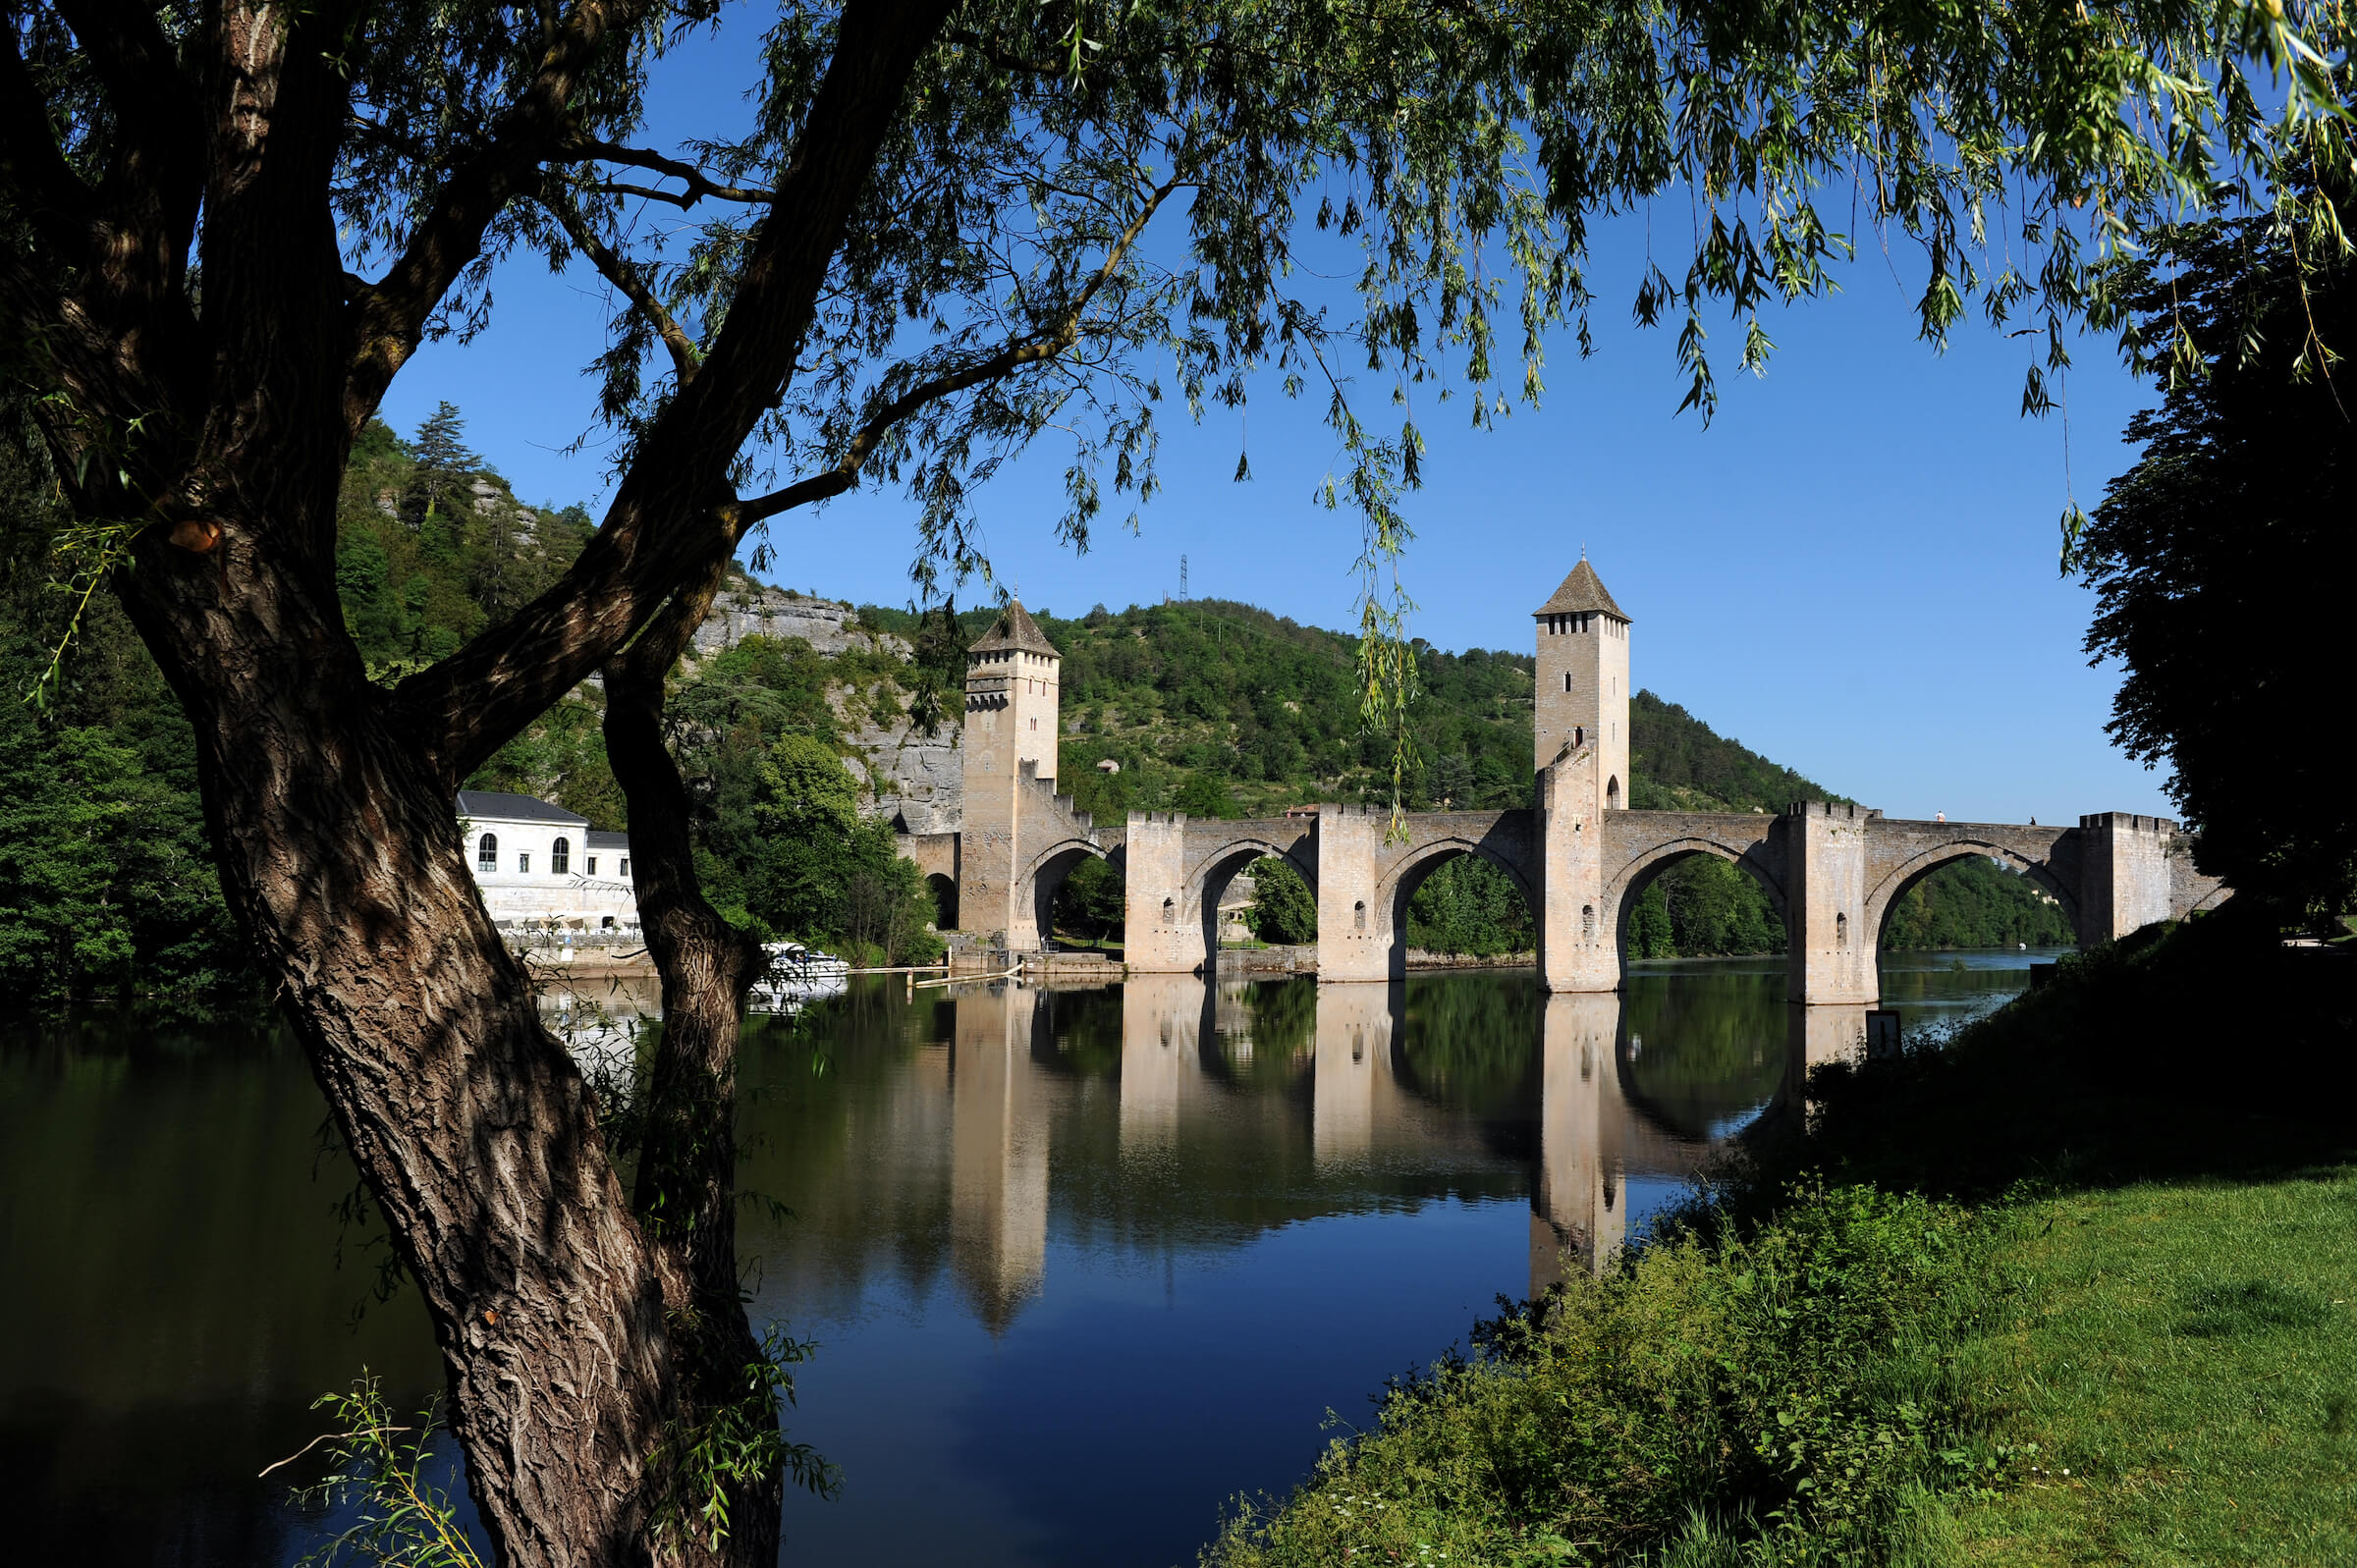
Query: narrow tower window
[(1587, 922), (1841, 931), (1611, 795), (1358, 915), (1567, 680)]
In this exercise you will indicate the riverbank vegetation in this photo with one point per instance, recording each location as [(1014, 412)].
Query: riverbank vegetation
[(2070, 1285)]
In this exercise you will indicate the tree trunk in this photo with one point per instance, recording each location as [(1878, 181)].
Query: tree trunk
[(339, 848), (686, 1117)]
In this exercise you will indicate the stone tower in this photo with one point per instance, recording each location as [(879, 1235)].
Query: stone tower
[(1582, 696), (1013, 702)]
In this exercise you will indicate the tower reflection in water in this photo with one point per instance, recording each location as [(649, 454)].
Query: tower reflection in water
[(1235, 1107)]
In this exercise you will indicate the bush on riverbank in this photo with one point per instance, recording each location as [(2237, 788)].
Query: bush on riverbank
[(1802, 1382)]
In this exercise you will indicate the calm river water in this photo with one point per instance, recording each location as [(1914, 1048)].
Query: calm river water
[(1083, 1264)]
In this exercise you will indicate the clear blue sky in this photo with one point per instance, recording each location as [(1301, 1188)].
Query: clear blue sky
[(1852, 570)]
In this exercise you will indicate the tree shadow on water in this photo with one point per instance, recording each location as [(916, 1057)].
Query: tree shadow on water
[(2204, 1050)]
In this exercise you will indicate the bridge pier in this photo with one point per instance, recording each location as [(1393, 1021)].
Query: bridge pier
[(1579, 933), (1355, 940), (1830, 942), (2125, 874), (1160, 934)]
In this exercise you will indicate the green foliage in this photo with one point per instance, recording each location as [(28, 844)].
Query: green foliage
[(1977, 902), (1703, 908), (106, 872), (1283, 909), (432, 547), (1466, 905), (784, 851), (107, 881), (2221, 561), (377, 1469), (1092, 902), (733, 1447), (1791, 1390)]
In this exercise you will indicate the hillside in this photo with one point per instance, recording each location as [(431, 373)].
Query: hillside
[(1223, 708)]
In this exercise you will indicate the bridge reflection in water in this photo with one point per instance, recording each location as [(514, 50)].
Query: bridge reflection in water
[(1171, 1115)]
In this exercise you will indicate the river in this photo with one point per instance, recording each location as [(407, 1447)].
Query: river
[(1081, 1265)]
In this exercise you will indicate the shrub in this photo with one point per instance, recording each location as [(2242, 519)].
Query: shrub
[(1794, 1393)]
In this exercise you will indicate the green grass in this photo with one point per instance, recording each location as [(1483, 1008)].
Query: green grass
[(2186, 1361)]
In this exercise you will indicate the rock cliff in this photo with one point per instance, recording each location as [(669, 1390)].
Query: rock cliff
[(907, 773)]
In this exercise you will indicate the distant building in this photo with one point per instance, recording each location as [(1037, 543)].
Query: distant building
[(541, 865)]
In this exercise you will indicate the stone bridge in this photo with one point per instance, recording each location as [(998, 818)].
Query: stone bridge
[(1833, 872)]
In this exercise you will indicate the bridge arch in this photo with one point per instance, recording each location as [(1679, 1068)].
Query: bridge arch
[(1884, 896), (1628, 884), (1214, 869), (943, 888), (1398, 884), (1045, 873)]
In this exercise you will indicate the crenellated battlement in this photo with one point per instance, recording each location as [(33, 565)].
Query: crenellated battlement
[(1840, 810), (2118, 821)]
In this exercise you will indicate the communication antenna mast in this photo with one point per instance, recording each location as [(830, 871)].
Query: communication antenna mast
[(1183, 576)]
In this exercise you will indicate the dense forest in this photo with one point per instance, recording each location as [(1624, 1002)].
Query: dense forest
[(1210, 707)]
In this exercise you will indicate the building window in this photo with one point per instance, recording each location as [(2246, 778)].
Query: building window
[(486, 852), (1358, 915), (1567, 680), (523, 862), (589, 866), (1170, 912), (1579, 734), (1841, 931), (626, 865), (1587, 921), (1612, 794), (559, 856)]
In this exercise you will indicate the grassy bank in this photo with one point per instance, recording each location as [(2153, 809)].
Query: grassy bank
[(2069, 1287)]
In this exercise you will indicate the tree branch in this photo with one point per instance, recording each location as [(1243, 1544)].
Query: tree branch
[(61, 209), (388, 318), (699, 184), (673, 501), (133, 60), (623, 275), (1031, 348)]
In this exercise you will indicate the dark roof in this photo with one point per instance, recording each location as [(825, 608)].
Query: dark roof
[(1014, 629), (515, 808), (1582, 593), (599, 839)]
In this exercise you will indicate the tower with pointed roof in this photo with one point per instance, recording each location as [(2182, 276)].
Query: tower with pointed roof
[(1013, 705), (1582, 696)]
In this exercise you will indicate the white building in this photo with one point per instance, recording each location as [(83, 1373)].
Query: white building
[(541, 865)]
